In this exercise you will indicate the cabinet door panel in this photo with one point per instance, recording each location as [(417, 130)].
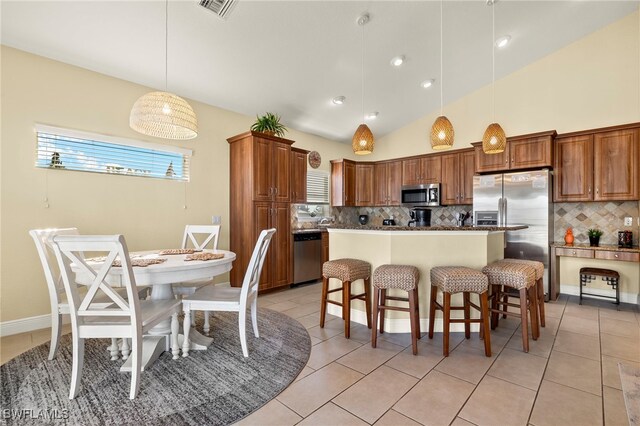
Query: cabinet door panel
[(262, 170), (491, 162), (450, 173), (262, 214), (281, 244), (616, 165), (394, 179), (364, 184), (411, 171), (281, 171), (431, 169), (573, 168), (349, 184), (298, 177), (530, 153), (381, 185), (467, 170)]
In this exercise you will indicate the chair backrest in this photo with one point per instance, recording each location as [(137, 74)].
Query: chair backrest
[(210, 233), (52, 276), (69, 249), (252, 276)]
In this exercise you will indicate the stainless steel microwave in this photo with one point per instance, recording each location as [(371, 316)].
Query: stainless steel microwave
[(421, 195)]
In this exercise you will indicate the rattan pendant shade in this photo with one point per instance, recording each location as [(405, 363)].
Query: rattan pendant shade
[(164, 115), (362, 142), (442, 133), (494, 140)]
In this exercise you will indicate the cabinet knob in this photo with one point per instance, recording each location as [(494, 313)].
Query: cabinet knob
[(589, 190), (512, 160), (575, 252), (506, 161), (615, 255), (597, 190)]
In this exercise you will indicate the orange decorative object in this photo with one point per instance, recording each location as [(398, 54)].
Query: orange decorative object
[(568, 237)]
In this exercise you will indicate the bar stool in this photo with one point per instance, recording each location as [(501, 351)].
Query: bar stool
[(539, 268), (400, 277), (459, 279), (522, 278), (347, 271)]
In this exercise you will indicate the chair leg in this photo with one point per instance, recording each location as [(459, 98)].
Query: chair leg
[(56, 331), (417, 305), (540, 288), (242, 329), (207, 325), (484, 326), (114, 350), (186, 328), (432, 310), (175, 329), (323, 305), (467, 314), (533, 312), (446, 304), (524, 320), (374, 324), (254, 317), (346, 308), (367, 300), (383, 302), (412, 318), (136, 364), (505, 307), (495, 297), (77, 363)]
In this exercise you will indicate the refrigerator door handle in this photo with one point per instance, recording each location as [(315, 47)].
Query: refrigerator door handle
[(499, 211), (504, 212)]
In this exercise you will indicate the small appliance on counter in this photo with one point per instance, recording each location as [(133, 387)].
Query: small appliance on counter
[(363, 219), (388, 222), (625, 239), (420, 216)]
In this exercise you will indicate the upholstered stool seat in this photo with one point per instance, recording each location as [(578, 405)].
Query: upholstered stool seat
[(400, 277), (521, 277), (347, 271), (459, 279), (539, 269)]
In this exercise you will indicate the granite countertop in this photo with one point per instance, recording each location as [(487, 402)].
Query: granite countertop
[(308, 230), (608, 247), (428, 228)]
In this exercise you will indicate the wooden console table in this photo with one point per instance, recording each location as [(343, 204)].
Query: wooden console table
[(605, 252)]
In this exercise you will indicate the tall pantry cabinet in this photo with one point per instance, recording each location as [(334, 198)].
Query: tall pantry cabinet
[(259, 192)]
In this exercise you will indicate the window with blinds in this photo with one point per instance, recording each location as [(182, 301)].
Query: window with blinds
[(64, 149), (317, 187)]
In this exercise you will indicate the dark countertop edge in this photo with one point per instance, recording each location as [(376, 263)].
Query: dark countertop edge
[(604, 247), (308, 230), (428, 228)]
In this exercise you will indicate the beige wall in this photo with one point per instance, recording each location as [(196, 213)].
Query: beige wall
[(591, 83), (149, 212)]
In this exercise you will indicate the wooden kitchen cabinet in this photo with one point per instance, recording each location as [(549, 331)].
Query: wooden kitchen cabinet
[(299, 175), (597, 165), (530, 151), (364, 184), (457, 177), (422, 170), (388, 183), (260, 190), (343, 183)]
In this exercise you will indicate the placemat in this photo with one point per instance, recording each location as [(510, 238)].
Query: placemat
[(204, 256)]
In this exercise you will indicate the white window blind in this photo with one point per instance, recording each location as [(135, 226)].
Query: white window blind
[(65, 149), (317, 186)]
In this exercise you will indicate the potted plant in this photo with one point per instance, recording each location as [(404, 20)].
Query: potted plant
[(594, 237), (269, 124)]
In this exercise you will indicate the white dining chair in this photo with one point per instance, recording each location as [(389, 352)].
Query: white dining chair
[(125, 319), (234, 299), (199, 237)]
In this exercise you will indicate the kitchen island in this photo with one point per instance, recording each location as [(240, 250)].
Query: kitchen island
[(423, 247)]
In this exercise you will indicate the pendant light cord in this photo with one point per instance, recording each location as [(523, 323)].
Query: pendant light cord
[(166, 45), (441, 75), (493, 62), (362, 71)]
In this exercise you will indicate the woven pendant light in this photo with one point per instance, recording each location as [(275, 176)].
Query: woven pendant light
[(442, 133), (362, 142), (494, 140), (163, 114)]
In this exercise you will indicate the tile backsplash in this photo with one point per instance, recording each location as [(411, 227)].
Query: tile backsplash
[(440, 216)]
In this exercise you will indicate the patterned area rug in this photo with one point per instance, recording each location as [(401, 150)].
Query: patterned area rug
[(214, 387)]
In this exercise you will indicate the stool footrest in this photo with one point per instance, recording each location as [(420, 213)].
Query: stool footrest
[(393, 308)]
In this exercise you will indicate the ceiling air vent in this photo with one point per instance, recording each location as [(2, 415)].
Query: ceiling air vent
[(222, 8)]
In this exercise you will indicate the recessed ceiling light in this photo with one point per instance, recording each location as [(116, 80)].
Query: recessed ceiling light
[(427, 83), (338, 100), (372, 115), (503, 41), (397, 61)]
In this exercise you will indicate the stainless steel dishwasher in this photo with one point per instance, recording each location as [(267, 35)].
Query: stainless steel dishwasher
[(307, 257)]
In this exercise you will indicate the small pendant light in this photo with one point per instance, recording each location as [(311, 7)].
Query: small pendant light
[(494, 140), (442, 133), (362, 141)]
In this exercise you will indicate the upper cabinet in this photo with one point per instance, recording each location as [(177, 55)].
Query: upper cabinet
[(343, 183), (522, 152), (457, 177), (598, 165), (271, 168), (298, 175), (364, 184), (422, 170), (387, 183)]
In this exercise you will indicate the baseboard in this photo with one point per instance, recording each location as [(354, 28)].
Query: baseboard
[(24, 325), (625, 297), (400, 325)]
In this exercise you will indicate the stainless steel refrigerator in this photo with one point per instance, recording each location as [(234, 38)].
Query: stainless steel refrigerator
[(520, 198)]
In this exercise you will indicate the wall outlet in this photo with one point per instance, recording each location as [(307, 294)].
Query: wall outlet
[(216, 220), (628, 221)]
